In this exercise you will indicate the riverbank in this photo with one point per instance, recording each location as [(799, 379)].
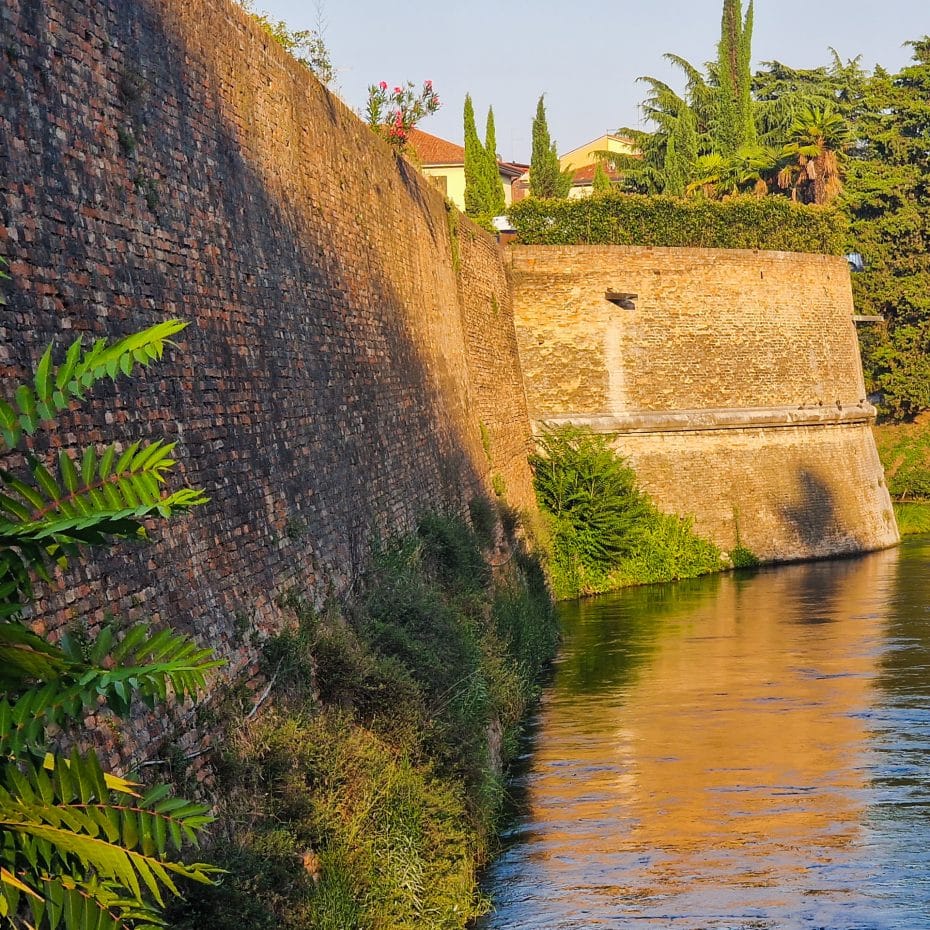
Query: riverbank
[(367, 796), (904, 449)]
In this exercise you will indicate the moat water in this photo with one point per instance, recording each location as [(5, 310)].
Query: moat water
[(739, 752)]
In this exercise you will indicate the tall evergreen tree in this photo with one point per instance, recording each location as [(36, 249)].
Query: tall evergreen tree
[(681, 153), (546, 178), (601, 183), (475, 173), (495, 186), (888, 198), (735, 122)]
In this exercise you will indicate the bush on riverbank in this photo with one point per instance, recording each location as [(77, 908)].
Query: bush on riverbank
[(913, 517), (368, 796), (606, 533)]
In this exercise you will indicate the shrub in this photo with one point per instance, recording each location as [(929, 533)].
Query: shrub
[(606, 533), (591, 494), (771, 223), (741, 557), (453, 551)]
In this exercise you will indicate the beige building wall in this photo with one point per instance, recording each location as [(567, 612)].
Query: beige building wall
[(450, 179), (584, 154)]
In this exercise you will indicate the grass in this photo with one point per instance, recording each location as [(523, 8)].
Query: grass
[(904, 449), (913, 517), (368, 796)]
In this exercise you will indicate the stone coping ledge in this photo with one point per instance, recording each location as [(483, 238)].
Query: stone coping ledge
[(721, 418)]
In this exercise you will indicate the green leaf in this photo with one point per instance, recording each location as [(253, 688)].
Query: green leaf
[(43, 379)]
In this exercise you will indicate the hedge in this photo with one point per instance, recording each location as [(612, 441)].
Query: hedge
[(769, 223)]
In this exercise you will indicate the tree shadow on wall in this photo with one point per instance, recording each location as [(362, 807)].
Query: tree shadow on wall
[(814, 519)]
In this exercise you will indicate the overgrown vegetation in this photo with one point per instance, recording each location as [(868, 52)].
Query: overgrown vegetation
[(308, 46), (606, 533), (367, 798), (904, 449), (84, 848), (905, 453), (627, 219), (913, 517)]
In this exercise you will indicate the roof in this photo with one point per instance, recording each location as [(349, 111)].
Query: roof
[(515, 169), (431, 150), (585, 175)]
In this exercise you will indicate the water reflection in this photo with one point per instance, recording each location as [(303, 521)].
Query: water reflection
[(747, 752)]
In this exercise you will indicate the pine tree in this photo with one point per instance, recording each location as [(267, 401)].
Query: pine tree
[(735, 126), (681, 153), (495, 187), (475, 184), (546, 179)]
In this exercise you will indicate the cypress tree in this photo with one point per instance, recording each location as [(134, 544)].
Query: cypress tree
[(747, 115), (475, 185), (601, 183), (546, 179), (735, 123), (495, 186)]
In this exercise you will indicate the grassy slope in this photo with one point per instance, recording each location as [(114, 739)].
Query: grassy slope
[(904, 449), (367, 797)]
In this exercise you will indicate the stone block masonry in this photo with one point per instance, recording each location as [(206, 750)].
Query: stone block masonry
[(351, 360), (733, 384)]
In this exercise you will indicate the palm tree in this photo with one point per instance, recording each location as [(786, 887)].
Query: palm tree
[(812, 158), (746, 171)]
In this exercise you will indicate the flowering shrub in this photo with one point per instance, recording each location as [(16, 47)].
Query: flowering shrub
[(393, 113)]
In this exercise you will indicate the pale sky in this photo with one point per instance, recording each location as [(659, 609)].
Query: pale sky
[(584, 57)]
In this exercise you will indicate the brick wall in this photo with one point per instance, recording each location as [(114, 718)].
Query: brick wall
[(734, 386), (165, 158)]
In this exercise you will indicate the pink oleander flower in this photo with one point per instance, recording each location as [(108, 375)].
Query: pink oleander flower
[(383, 85)]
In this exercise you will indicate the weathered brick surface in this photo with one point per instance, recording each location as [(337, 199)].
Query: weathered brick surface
[(734, 386), (711, 329), (165, 158), (785, 493)]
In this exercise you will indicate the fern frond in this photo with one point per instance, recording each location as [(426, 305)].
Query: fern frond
[(93, 484), (65, 820), (143, 664), (53, 388), (91, 514), (24, 656), (89, 904)]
